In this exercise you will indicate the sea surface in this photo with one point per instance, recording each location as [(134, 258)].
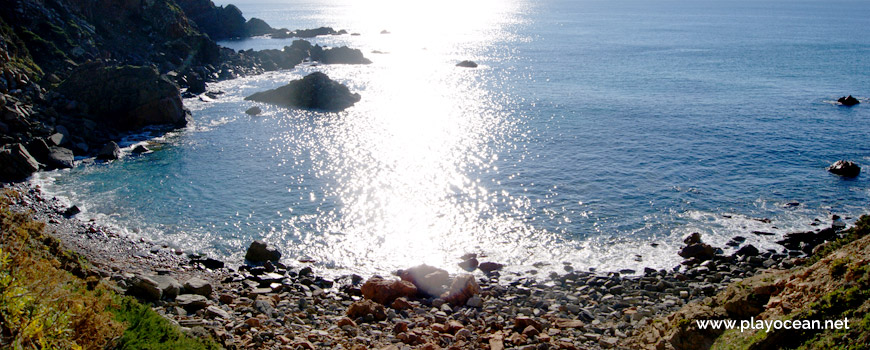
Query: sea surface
[(594, 133)]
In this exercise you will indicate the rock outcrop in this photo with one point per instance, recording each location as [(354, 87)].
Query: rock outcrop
[(260, 252), (467, 64), (219, 22), (314, 91), (848, 101), (16, 163), (845, 168), (126, 98)]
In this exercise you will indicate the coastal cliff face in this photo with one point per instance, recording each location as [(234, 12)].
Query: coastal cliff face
[(89, 71)]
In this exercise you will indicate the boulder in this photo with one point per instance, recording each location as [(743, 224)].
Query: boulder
[(747, 250), (461, 290), (38, 148), (191, 302), (342, 55), (125, 98), (315, 91), (209, 263), (59, 158), (16, 163), (386, 291), (109, 151), (469, 264), (57, 139), (253, 111), (700, 251), (489, 267), (169, 286), (361, 308), (219, 22), (260, 252), (432, 281), (845, 168), (145, 287), (256, 27), (848, 100), (467, 64), (71, 211), (692, 238), (199, 286), (195, 83), (139, 149)]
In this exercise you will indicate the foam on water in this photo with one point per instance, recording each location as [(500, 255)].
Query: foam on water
[(591, 134)]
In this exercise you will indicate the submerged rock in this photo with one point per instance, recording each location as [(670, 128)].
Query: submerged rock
[(253, 111), (848, 101), (467, 64), (845, 168), (315, 91)]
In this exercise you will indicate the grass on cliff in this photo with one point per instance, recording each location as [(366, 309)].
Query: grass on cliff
[(46, 302)]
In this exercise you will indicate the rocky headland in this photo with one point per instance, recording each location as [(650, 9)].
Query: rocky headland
[(76, 75)]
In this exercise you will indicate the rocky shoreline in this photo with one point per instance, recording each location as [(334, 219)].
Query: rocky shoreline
[(272, 306)]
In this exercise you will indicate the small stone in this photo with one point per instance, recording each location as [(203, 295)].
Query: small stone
[(191, 302), (218, 312), (199, 286), (344, 321)]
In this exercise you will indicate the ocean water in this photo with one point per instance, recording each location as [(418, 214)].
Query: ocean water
[(594, 133)]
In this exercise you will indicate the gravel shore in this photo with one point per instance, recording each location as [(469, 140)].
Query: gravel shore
[(273, 306)]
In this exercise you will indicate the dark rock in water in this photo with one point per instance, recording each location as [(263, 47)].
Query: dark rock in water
[(16, 163), (315, 91), (139, 149), (700, 251), (71, 211), (848, 101), (489, 267), (342, 55), (845, 168), (469, 264), (60, 158), (253, 111), (747, 250), (467, 64), (762, 233), (110, 151), (126, 98), (260, 252), (806, 241), (692, 238), (256, 27), (306, 33)]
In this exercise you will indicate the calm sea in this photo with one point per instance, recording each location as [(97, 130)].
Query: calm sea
[(590, 131)]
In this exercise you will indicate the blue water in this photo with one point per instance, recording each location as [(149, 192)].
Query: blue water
[(591, 130)]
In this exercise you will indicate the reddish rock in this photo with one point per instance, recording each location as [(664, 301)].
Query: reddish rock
[(454, 326), (400, 304), (521, 322), (365, 307), (385, 292), (566, 323), (344, 321), (530, 331), (463, 288)]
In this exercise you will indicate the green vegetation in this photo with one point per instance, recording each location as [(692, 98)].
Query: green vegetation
[(47, 302)]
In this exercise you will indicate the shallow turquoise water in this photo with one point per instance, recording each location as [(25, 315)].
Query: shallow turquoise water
[(591, 130)]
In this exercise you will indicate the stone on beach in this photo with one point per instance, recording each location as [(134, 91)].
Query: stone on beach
[(191, 302), (489, 267), (259, 252), (361, 308), (461, 290), (430, 280), (386, 291), (196, 285)]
